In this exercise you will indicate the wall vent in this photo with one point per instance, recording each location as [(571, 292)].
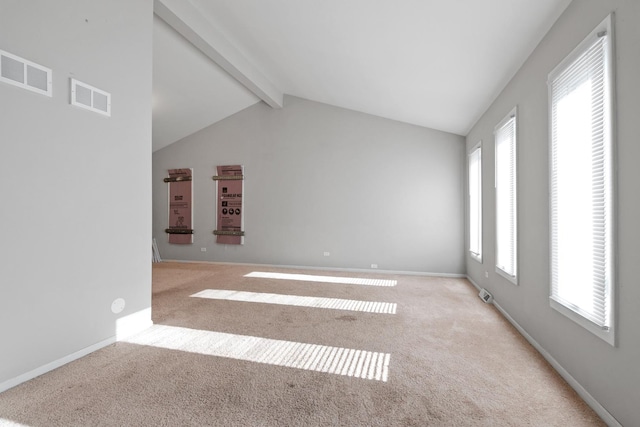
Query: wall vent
[(485, 296), (25, 74), (90, 98)]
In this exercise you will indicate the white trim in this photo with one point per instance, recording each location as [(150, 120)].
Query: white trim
[(475, 285), (55, 364), (509, 277), (607, 335), (305, 267), (513, 114), (133, 323), (475, 256), (606, 25), (582, 392), (477, 145)]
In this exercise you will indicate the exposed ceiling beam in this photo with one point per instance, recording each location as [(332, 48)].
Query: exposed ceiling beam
[(183, 17)]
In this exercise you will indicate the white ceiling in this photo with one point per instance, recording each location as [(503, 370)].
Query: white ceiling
[(433, 63), (190, 92)]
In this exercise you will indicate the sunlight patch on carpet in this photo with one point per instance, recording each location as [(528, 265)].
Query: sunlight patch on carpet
[(299, 301), (323, 279), (8, 423), (363, 364)]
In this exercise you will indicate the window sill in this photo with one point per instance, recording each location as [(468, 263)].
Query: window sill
[(512, 279), (608, 335)]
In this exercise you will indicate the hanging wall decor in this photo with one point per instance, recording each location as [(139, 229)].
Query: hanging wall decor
[(229, 205), (180, 229)]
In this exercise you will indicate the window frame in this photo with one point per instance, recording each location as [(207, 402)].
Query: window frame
[(475, 149), (606, 332), (512, 116)]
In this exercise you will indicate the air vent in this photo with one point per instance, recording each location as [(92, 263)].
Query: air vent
[(90, 98), (25, 74), (485, 296)]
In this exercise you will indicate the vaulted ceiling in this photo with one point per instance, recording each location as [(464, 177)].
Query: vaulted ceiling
[(433, 63)]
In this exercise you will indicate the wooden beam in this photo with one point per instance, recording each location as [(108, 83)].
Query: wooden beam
[(188, 21)]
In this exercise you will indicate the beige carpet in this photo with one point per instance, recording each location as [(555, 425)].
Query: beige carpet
[(452, 360)]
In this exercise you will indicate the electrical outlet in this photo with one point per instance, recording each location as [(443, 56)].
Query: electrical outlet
[(203, 249), (486, 274), (374, 265), (327, 254)]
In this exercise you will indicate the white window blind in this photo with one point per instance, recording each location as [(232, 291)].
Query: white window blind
[(581, 182), (475, 203), (506, 198)]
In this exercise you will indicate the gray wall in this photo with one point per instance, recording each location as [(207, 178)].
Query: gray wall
[(610, 375), (75, 186), (320, 178)]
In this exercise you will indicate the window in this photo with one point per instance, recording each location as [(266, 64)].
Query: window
[(506, 200), (475, 202), (581, 184)]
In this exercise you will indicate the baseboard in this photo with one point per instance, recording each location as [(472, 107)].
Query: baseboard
[(55, 364), (582, 392), (475, 285), (306, 267), (125, 326)]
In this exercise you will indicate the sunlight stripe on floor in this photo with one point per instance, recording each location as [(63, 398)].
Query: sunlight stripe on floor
[(8, 423), (363, 364), (323, 279), (299, 301)]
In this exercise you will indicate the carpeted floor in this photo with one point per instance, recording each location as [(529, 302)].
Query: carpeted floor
[(438, 357)]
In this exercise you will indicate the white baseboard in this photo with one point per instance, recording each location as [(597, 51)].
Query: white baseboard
[(55, 364), (305, 267), (582, 392), (473, 283), (125, 326)]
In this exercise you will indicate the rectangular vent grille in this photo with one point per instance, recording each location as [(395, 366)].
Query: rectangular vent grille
[(90, 98), (25, 74), (485, 296)]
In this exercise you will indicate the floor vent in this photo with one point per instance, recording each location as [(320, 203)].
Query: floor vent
[(485, 296)]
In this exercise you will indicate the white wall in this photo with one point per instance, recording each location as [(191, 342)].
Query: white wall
[(320, 178), (75, 186), (609, 374)]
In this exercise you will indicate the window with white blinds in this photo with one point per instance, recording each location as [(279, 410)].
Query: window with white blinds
[(581, 184), (475, 202), (506, 199)]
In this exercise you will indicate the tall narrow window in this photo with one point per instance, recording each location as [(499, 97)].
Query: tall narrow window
[(506, 200), (475, 202), (581, 183)]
